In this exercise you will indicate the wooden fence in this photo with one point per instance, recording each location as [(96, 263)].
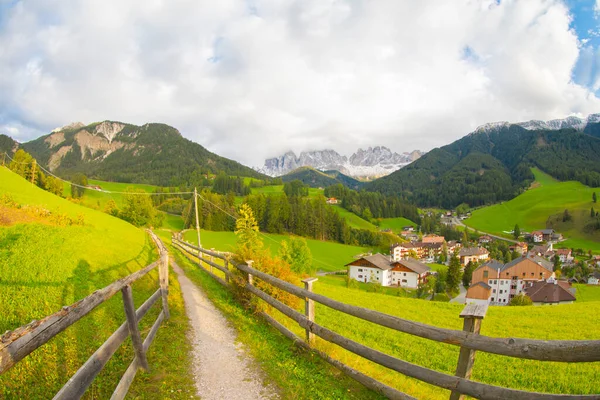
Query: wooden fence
[(469, 340), (16, 345)]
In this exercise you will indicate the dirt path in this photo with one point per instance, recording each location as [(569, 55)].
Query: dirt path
[(222, 369)]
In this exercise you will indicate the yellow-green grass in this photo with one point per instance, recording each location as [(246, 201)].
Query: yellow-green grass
[(574, 321), (569, 322), (98, 199), (298, 374), (587, 293), (531, 209), (327, 256), (438, 267), (44, 267), (395, 224), (278, 189), (172, 222), (354, 220)]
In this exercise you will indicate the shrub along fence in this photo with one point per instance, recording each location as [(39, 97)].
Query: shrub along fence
[(469, 340), (18, 344)]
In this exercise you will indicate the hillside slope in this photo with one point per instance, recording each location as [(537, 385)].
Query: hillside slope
[(53, 253), (152, 153), (543, 206), (493, 164), (315, 179)]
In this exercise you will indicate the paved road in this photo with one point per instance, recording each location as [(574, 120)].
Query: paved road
[(461, 298), (458, 222)]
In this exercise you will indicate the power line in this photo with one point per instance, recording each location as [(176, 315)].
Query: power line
[(101, 190)]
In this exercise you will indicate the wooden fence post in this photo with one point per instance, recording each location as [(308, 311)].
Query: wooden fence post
[(226, 265), (309, 309), (250, 277), (212, 259), (472, 314), (163, 278), (132, 324)]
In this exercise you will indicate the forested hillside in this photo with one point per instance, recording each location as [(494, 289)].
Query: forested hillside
[(153, 153), (493, 164), (316, 179), (7, 144)]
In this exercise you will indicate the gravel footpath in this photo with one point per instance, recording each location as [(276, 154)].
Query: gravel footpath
[(222, 369)]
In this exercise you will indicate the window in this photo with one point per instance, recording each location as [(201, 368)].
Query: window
[(500, 291), (523, 273), (494, 291), (504, 300), (492, 299), (541, 274), (513, 286), (514, 278), (485, 274), (405, 274), (360, 270), (360, 276), (377, 271), (512, 295)]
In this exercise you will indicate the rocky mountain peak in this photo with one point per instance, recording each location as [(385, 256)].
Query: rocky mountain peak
[(372, 162), (109, 129), (72, 125)]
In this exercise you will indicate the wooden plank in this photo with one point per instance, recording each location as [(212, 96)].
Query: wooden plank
[(77, 385), (132, 324), (474, 311), (373, 384), (309, 309), (556, 350), (212, 264), (462, 385), (466, 357), (15, 345), (163, 279), (188, 255), (127, 378), (207, 252)]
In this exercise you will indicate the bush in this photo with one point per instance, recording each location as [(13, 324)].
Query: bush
[(521, 300)]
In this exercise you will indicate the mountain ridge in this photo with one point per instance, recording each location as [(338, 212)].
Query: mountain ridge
[(372, 162)]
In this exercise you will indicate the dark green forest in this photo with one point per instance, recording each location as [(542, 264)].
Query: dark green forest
[(319, 179), (490, 166)]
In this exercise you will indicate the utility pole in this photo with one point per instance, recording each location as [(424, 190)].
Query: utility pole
[(197, 223), (3, 158), (33, 172)]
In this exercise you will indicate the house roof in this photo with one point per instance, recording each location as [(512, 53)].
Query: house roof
[(536, 259), (547, 231), (494, 264), (595, 274), (548, 292), (414, 265), (537, 233), (378, 260), (482, 284), (472, 251), (565, 252)]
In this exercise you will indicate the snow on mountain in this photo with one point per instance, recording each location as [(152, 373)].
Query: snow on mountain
[(372, 162), (573, 122)]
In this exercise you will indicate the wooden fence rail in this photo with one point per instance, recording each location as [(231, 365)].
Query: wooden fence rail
[(16, 345), (469, 340)]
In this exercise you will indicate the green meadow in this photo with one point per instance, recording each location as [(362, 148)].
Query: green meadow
[(354, 220), (395, 224), (278, 189), (566, 322), (327, 256), (44, 266), (98, 199), (531, 209)]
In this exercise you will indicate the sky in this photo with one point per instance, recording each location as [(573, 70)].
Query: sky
[(252, 79)]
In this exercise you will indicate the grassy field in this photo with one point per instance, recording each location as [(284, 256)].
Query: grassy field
[(98, 199), (44, 266), (354, 220), (587, 293), (531, 210), (574, 321), (395, 224), (278, 189), (327, 256)]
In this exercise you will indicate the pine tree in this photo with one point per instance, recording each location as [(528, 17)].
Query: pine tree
[(454, 275), (594, 197), (516, 231), (468, 274)]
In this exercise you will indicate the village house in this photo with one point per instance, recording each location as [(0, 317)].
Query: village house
[(431, 238), (550, 292), (520, 248), (507, 280), (485, 239), (418, 250), (545, 251), (473, 254), (332, 200), (375, 268), (479, 293), (409, 273), (453, 246), (380, 269), (537, 237), (564, 255), (408, 228), (594, 278)]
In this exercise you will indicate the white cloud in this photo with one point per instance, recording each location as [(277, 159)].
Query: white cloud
[(251, 80)]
